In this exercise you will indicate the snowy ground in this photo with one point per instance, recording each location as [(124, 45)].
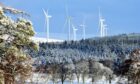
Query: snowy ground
[(42, 79)]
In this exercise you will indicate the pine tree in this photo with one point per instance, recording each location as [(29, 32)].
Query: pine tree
[(15, 62)]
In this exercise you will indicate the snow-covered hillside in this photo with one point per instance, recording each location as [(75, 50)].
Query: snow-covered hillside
[(41, 40)]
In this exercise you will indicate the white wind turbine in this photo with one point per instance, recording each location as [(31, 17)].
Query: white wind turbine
[(68, 24), (47, 16), (74, 33), (102, 26), (83, 27)]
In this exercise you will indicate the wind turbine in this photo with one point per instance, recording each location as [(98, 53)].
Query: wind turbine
[(102, 26), (47, 16), (83, 27), (68, 23), (74, 33)]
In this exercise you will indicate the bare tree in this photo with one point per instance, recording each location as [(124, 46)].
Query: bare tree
[(84, 71), (77, 71), (53, 71), (63, 72), (70, 72)]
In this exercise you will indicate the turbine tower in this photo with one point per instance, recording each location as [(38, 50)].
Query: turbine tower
[(83, 27), (105, 29), (47, 16), (102, 26), (68, 24), (74, 33)]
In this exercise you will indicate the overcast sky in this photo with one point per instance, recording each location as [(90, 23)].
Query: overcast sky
[(122, 16)]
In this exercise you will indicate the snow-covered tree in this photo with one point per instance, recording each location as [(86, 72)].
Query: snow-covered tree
[(15, 41)]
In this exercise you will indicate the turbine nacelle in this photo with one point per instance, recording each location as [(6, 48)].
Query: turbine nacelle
[(102, 20), (74, 28), (74, 32)]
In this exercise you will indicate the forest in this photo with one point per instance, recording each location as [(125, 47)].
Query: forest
[(93, 58)]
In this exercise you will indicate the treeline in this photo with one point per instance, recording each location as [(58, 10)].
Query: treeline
[(113, 47)]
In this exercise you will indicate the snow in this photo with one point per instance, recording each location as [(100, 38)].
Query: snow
[(42, 40), (44, 79)]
